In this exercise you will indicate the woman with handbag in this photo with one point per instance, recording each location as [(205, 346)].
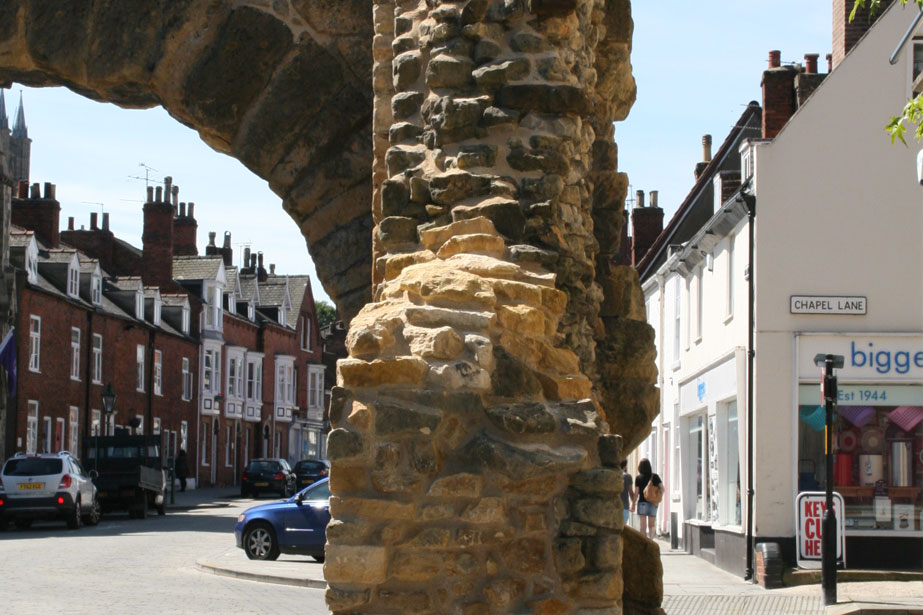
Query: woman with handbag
[(650, 494)]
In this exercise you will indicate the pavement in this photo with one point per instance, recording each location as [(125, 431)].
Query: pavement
[(691, 586)]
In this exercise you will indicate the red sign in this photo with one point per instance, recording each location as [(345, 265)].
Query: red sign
[(809, 513)]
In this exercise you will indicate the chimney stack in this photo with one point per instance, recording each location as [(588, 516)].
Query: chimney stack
[(157, 238), (779, 100), (150, 194), (810, 63), (211, 239), (809, 80), (646, 226), (226, 251), (847, 33), (261, 272), (272, 269), (105, 221), (93, 221), (70, 223), (41, 215), (247, 257), (185, 229), (706, 156)]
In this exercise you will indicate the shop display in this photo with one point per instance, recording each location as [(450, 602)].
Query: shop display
[(873, 438), (857, 415), (871, 469), (906, 417), (902, 515)]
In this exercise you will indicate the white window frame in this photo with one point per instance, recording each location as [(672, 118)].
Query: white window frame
[(75, 354), (158, 310), (184, 435), (187, 380), (254, 388), (315, 387), (96, 289), (157, 427), (139, 304), (916, 47), (211, 369), (206, 435), (212, 307), (46, 435), (139, 430), (699, 302), (73, 281), (677, 319), (97, 358), (32, 428), (95, 422), (158, 372), (139, 368), (186, 319), (35, 344), (305, 333)]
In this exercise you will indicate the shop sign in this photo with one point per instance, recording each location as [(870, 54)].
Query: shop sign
[(809, 512), (823, 304), (898, 357)]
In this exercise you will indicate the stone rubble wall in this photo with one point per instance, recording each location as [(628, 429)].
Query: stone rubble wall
[(474, 469)]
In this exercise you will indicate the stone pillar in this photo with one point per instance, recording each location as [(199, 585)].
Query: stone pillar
[(473, 467)]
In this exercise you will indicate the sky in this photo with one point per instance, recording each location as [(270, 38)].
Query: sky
[(696, 64)]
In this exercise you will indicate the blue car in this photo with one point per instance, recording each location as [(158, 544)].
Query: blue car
[(295, 525)]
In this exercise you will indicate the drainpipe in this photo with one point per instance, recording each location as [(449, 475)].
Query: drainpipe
[(750, 201), (87, 379), (149, 428)]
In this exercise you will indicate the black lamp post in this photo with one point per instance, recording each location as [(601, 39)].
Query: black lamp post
[(108, 405), (829, 539)]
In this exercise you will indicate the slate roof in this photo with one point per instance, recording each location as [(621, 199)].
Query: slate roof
[(196, 267)]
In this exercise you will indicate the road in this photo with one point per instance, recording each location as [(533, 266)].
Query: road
[(145, 567)]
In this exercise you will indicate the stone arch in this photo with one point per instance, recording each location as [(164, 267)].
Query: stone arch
[(284, 86)]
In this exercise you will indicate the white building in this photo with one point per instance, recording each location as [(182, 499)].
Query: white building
[(836, 267)]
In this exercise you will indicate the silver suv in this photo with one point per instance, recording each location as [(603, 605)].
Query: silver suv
[(47, 486)]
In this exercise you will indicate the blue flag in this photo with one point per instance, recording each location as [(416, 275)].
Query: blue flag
[(8, 360)]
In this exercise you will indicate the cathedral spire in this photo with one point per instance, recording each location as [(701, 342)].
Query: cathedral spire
[(4, 122), (19, 128)]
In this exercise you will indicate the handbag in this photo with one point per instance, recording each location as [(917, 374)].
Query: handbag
[(653, 493)]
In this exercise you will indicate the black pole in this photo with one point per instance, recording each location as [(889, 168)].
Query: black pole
[(829, 537)]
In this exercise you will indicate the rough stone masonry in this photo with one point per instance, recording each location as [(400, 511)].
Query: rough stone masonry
[(474, 446), (474, 450)]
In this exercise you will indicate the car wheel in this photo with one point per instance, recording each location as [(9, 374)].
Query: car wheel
[(260, 542), (141, 510), (23, 524), (318, 558), (75, 520), (162, 509), (95, 514)]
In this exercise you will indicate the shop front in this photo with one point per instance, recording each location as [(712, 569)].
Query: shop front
[(878, 442)]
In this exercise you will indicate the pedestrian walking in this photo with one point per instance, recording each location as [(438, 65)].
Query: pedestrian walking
[(650, 493), (181, 469), (629, 495)]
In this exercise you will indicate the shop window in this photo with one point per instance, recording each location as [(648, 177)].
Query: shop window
[(729, 473), (698, 441), (878, 454)]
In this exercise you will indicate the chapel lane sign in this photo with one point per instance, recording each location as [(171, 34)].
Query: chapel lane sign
[(823, 304)]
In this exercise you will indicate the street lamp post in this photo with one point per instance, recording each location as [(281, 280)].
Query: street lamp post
[(829, 538), (108, 405)]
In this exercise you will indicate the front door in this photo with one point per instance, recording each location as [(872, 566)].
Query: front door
[(214, 456)]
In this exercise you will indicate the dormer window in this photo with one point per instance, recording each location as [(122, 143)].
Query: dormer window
[(96, 289), (157, 309), (186, 319), (73, 281), (282, 316), (213, 307), (139, 305), (251, 311), (32, 264)]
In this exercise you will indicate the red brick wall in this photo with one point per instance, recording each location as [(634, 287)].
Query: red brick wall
[(42, 216), (845, 33), (157, 259), (779, 102)]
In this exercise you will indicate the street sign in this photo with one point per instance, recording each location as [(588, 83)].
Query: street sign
[(809, 513)]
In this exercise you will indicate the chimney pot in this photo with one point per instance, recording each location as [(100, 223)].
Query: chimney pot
[(93, 221), (259, 259), (22, 190), (706, 148), (70, 223), (654, 198), (106, 221), (639, 199), (246, 257), (182, 210), (159, 193), (829, 62), (35, 192), (810, 63), (49, 190), (190, 210), (272, 268), (175, 193), (775, 58), (150, 194), (211, 238), (168, 186), (227, 239)]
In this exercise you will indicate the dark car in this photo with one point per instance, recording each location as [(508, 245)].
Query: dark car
[(263, 475), (309, 471), (297, 525)]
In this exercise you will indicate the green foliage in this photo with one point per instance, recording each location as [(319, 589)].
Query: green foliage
[(326, 313), (913, 110)]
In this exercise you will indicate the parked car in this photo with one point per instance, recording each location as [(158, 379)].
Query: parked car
[(47, 486), (262, 475), (309, 471), (296, 525)]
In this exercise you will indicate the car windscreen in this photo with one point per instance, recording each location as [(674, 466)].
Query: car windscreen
[(263, 466), (310, 467), (32, 466)]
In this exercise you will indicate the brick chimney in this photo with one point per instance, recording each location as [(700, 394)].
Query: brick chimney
[(808, 81), (706, 156), (845, 33), (211, 249), (185, 230), (226, 251), (38, 213), (779, 101), (646, 226), (260, 271), (157, 237)]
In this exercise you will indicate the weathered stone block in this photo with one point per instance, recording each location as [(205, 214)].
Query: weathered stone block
[(527, 556), (400, 158), (502, 593), (598, 480), (603, 512), (544, 98), (393, 419), (527, 41), (495, 116), (520, 463), (644, 576), (372, 509), (568, 555), (355, 373), (416, 565), (452, 187), (487, 511), (480, 155), (524, 418), (406, 104), (343, 599), (609, 447), (492, 76), (472, 244), (462, 485), (506, 215), (354, 564), (345, 447), (407, 68), (512, 377), (397, 230), (404, 131), (445, 71), (606, 552)]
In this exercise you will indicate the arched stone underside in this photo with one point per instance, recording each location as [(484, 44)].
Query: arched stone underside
[(284, 86), (474, 451)]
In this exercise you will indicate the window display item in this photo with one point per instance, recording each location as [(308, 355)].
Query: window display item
[(901, 463), (857, 415), (902, 517), (906, 417), (842, 470), (847, 441), (882, 509), (873, 438), (815, 417), (871, 469)]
